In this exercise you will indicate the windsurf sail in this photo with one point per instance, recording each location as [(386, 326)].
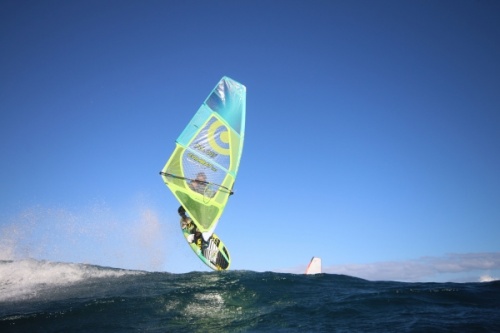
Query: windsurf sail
[(202, 169), (314, 266)]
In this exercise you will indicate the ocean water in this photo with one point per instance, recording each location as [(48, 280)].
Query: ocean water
[(40, 296)]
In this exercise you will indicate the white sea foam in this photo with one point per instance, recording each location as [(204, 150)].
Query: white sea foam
[(24, 279), (487, 278)]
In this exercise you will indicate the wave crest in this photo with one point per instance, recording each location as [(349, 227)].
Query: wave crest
[(24, 279)]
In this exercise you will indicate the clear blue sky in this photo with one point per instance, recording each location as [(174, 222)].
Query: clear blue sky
[(372, 133)]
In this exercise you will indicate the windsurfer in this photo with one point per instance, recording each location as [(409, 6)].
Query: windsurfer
[(187, 224), (201, 185)]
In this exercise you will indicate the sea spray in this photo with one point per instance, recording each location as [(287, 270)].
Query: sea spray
[(136, 239)]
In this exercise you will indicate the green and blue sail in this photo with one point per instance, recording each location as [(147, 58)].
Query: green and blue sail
[(211, 144)]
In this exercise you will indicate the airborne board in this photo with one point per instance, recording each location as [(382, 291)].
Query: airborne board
[(212, 252), (202, 169)]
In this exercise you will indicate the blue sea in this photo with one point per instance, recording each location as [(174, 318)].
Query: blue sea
[(41, 296)]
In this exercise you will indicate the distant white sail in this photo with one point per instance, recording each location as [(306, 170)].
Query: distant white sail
[(314, 266)]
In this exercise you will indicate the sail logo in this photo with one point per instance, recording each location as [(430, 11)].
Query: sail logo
[(218, 137), (201, 161), (202, 149)]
